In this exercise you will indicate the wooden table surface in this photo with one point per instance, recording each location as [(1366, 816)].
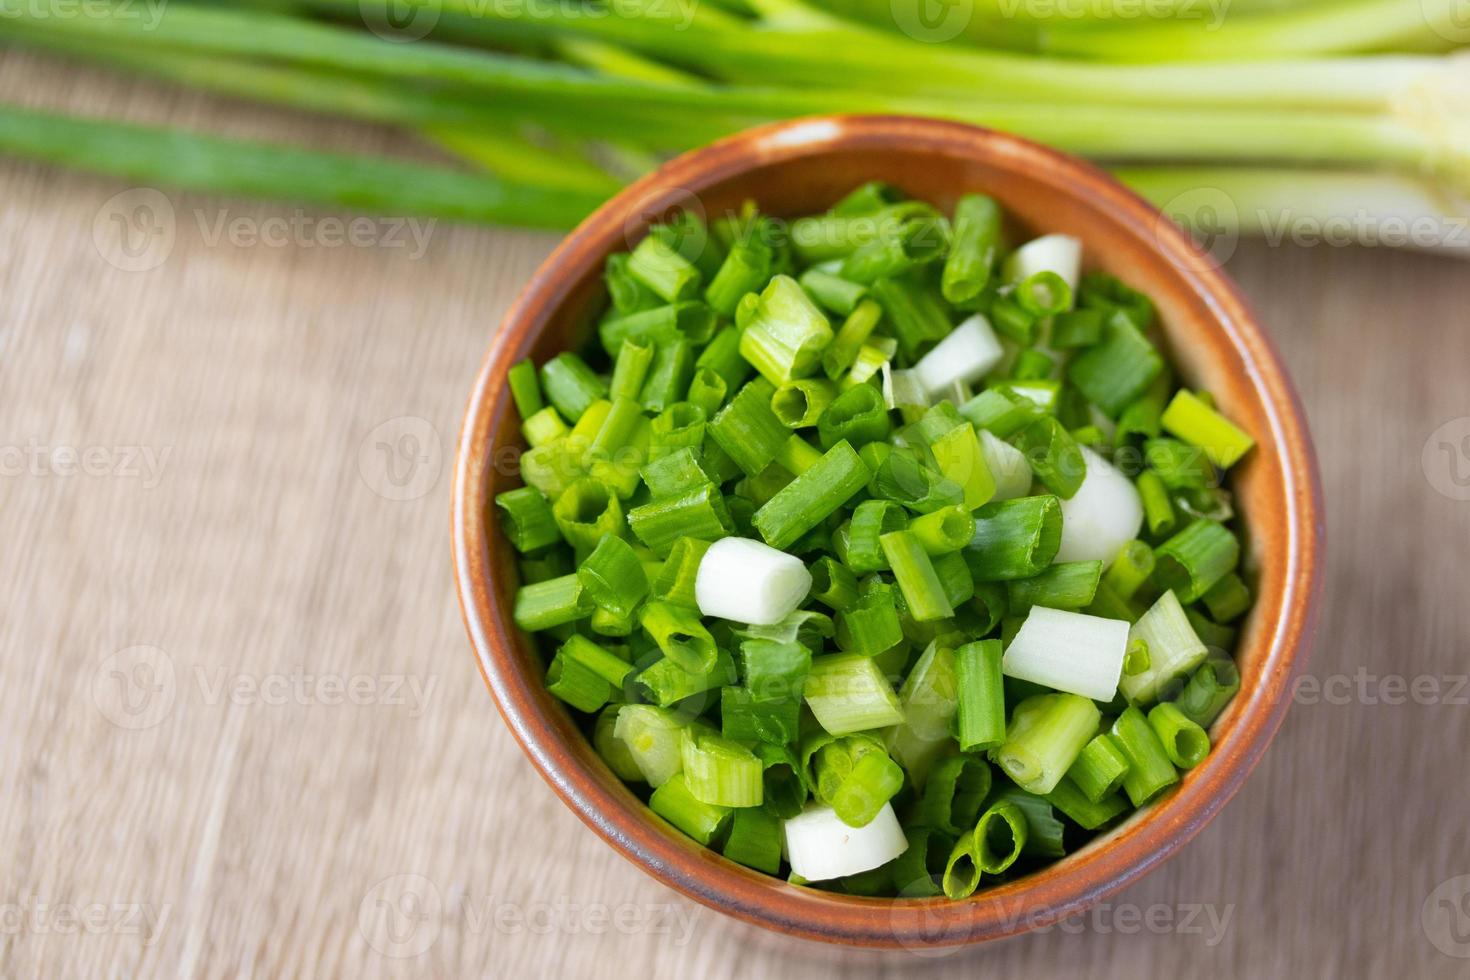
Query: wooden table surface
[(241, 731)]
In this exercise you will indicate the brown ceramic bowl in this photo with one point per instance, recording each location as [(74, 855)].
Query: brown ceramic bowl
[(801, 167)]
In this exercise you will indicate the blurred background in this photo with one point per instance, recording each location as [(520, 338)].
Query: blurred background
[(253, 253)]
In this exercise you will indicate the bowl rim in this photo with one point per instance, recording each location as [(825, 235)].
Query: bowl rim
[(1084, 877)]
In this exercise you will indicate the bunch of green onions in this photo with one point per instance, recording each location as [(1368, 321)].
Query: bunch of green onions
[(872, 550), (1322, 109)]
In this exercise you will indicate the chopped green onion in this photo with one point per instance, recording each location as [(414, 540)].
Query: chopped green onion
[(966, 354), (613, 577), (1226, 599), (836, 294), (1178, 465), (570, 385), (914, 311), (577, 684), (856, 778), (668, 683), (526, 518), (1208, 691), (668, 376), (699, 514), (628, 294), (943, 531), (833, 584), (1198, 424), (755, 839), (746, 268), (961, 460), (748, 430), (663, 270), (915, 870), (1119, 369), (679, 426), (1087, 814), (1064, 585), (675, 473), (749, 582), (1149, 770), (613, 750), (745, 718), (1032, 365), (1184, 742), (1174, 650), (841, 354), (972, 252), (872, 626), (543, 427), (1103, 515), (689, 321), (1157, 509), (1000, 837), (812, 497), (1069, 651), (980, 719), (784, 332), (707, 390), (774, 670), (1054, 455), (1076, 328), (800, 403), (601, 661), (1099, 769), (1001, 411), (1044, 738), (848, 693), (1044, 293), (1058, 254), (718, 770), (722, 356), (1015, 538), (785, 790), (1196, 558), (675, 582), (1131, 568), (678, 805), (821, 847), (954, 793), (630, 369), (914, 572), (679, 635), (525, 390), (554, 602), (1043, 830)]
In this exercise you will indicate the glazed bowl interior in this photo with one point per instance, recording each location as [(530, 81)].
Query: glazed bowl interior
[(800, 168)]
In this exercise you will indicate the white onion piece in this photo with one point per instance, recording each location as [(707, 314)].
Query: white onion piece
[(750, 582), (1102, 516), (1008, 465), (1068, 651), (902, 388), (1061, 254), (820, 846), (967, 354)]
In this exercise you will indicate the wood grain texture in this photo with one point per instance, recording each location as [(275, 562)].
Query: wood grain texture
[(325, 788)]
